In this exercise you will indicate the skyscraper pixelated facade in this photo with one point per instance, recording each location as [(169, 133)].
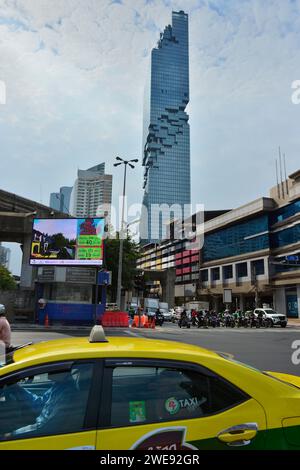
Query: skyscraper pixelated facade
[(166, 134)]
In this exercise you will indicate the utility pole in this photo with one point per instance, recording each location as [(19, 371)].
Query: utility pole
[(254, 280), (122, 231)]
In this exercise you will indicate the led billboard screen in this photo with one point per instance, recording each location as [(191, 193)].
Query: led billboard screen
[(69, 242)]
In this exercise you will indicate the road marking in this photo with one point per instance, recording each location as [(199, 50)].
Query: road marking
[(130, 333)]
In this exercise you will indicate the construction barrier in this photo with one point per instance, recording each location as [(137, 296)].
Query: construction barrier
[(150, 323), (140, 320), (113, 319)]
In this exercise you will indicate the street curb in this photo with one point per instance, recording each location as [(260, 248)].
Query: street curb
[(25, 326)]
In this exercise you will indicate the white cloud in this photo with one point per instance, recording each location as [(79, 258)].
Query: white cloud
[(75, 72)]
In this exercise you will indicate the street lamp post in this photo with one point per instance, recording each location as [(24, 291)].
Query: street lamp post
[(121, 232)]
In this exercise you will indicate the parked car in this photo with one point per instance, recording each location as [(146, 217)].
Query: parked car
[(164, 309), (167, 314), (272, 316), (151, 306), (183, 398), (111, 307)]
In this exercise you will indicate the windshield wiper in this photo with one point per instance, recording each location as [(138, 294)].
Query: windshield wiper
[(12, 349), (9, 353)]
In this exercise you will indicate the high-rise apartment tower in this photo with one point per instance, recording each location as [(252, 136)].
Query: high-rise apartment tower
[(91, 195)]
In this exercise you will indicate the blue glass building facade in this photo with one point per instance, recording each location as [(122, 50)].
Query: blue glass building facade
[(166, 136), (261, 252), (245, 237)]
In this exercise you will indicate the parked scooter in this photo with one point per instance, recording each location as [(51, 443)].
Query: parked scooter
[(254, 322), (229, 321), (184, 321)]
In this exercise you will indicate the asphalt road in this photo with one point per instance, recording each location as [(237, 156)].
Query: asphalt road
[(266, 349)]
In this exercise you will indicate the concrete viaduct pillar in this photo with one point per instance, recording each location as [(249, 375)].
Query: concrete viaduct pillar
[(26, 281)]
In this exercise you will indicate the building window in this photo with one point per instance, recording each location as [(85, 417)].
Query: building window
[(45, 403), (204, 275), (70, 293), (258, 267), (234, 241), (215, 274), (142, 395), (286, 237), (241, 270), (228, 272), (285, 212)]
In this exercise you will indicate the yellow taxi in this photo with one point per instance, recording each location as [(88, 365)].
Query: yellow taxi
[(134, 393)]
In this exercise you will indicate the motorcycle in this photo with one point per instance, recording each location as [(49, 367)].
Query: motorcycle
[(229, 321), (184, 322), (254, 322), (159, 319), (214, 321), (198, 321)]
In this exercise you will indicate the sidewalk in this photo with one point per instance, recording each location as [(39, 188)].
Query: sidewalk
[(56, 327), (293, 321)]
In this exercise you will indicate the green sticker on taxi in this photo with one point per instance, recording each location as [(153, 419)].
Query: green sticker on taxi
[(137, 411)]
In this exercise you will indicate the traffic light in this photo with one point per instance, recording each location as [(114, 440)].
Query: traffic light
[(139, 282)]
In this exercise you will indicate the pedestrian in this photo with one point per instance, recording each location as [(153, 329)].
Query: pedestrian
[(5, 331)]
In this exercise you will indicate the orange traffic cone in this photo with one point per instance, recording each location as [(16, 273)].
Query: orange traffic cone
[(46, 320)]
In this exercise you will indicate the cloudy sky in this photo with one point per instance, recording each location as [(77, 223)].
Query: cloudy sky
[(75, 72)]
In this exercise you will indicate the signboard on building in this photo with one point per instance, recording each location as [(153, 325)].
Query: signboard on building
[(227, 296), (67, 242)]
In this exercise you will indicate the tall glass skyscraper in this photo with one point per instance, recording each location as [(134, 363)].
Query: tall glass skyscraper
[(166, 135)]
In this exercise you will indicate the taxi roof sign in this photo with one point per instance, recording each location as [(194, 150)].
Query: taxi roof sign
[(97, 335)]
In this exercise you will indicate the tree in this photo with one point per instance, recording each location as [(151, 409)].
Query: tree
[(130, 256), (7, 282)]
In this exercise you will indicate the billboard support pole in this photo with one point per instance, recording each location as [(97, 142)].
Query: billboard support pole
[(96, 297)]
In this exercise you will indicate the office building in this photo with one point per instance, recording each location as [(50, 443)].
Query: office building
[(61, 201), (254, 250), (166, 134), (55, 201), (65, 197)]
